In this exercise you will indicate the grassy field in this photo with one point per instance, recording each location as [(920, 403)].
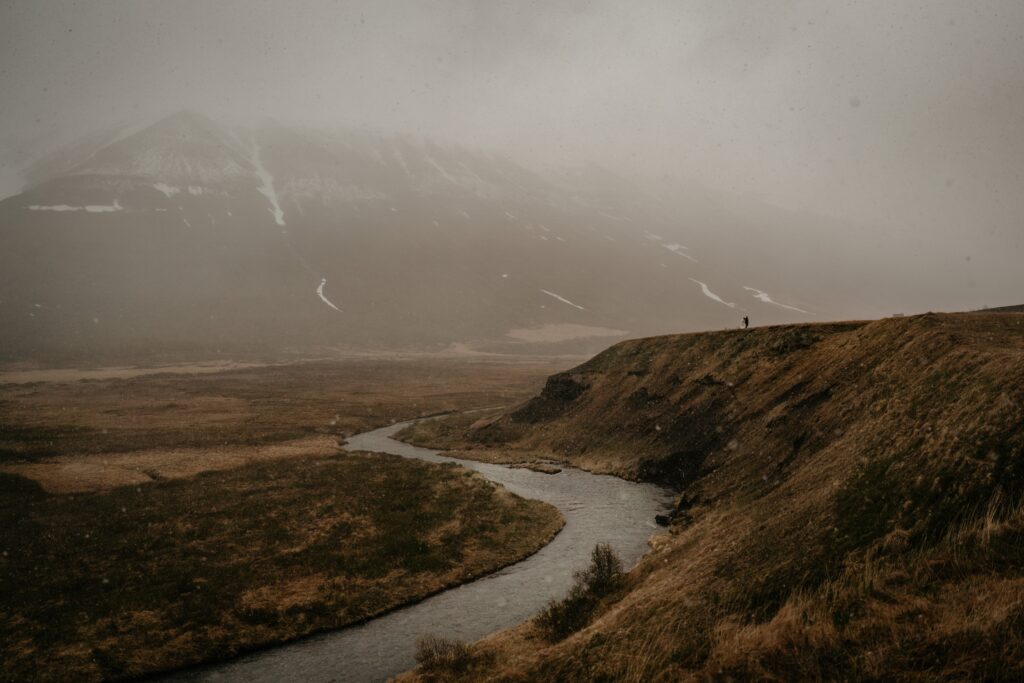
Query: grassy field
[(160, 520), (851, 503), (137, 579), (75, 436)]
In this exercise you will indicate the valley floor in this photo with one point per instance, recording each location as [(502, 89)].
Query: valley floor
[(131, 426), (158, 521)]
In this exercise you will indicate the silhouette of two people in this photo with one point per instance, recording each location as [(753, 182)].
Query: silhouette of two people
[(746, 322)]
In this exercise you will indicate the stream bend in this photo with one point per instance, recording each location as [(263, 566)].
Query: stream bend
[(597, 509)]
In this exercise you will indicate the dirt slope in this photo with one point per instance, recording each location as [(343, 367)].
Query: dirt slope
[(850, 502)]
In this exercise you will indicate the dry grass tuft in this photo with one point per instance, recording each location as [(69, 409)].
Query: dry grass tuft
[(436, 654)]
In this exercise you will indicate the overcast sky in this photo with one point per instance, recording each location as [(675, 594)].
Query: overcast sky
[(894, 113)]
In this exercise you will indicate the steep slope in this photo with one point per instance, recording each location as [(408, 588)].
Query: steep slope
[(850, 502)]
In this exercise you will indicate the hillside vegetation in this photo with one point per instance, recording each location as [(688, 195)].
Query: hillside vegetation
[(850, 502)]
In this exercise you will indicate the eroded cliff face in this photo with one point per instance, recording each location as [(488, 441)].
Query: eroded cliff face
[(849, 506)]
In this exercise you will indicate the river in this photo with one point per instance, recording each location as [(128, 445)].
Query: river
[(597, 509)]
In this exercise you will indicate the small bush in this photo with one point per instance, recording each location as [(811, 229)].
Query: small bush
[(604, 573), (566, 616), (435, 653)]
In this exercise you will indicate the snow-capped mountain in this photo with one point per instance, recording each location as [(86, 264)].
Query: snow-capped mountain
[(193, 237)]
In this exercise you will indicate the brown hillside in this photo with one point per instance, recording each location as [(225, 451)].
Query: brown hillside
[(1019, 308), (850, 502)]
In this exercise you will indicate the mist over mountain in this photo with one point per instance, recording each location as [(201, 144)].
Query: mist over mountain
[(189, 237), (447, 175)]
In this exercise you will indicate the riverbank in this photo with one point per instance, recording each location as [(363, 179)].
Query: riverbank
[(596, 509), (117, 584)]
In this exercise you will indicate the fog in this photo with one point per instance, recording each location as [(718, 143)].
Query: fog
[(901, 116)]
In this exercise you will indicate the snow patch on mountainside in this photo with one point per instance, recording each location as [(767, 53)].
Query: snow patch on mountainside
[(267, 187), (711, 295), (89, 208), (323, 297), (440, 169), (563, 299), (168, 190), (675, 248), (763, 296), (679, 250), (449, 174)]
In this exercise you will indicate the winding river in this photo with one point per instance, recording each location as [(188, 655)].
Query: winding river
[(597, 509)]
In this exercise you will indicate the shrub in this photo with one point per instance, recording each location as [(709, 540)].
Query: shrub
[(435, 653), (566, 616), (604, 573)]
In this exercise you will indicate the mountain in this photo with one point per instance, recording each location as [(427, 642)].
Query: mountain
[(850, 503), (189, 237)]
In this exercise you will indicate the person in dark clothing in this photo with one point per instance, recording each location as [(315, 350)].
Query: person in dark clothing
[(746, 322)]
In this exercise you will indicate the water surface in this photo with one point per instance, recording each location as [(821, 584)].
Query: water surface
[(597, 509)]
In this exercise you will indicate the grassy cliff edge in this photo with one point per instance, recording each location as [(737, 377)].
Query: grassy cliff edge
[(850, 502)]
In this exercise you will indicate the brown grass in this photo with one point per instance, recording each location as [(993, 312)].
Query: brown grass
[(442, 655), (850, 502), (88, 435), (82, 473), (124, 582), (159, 520)]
